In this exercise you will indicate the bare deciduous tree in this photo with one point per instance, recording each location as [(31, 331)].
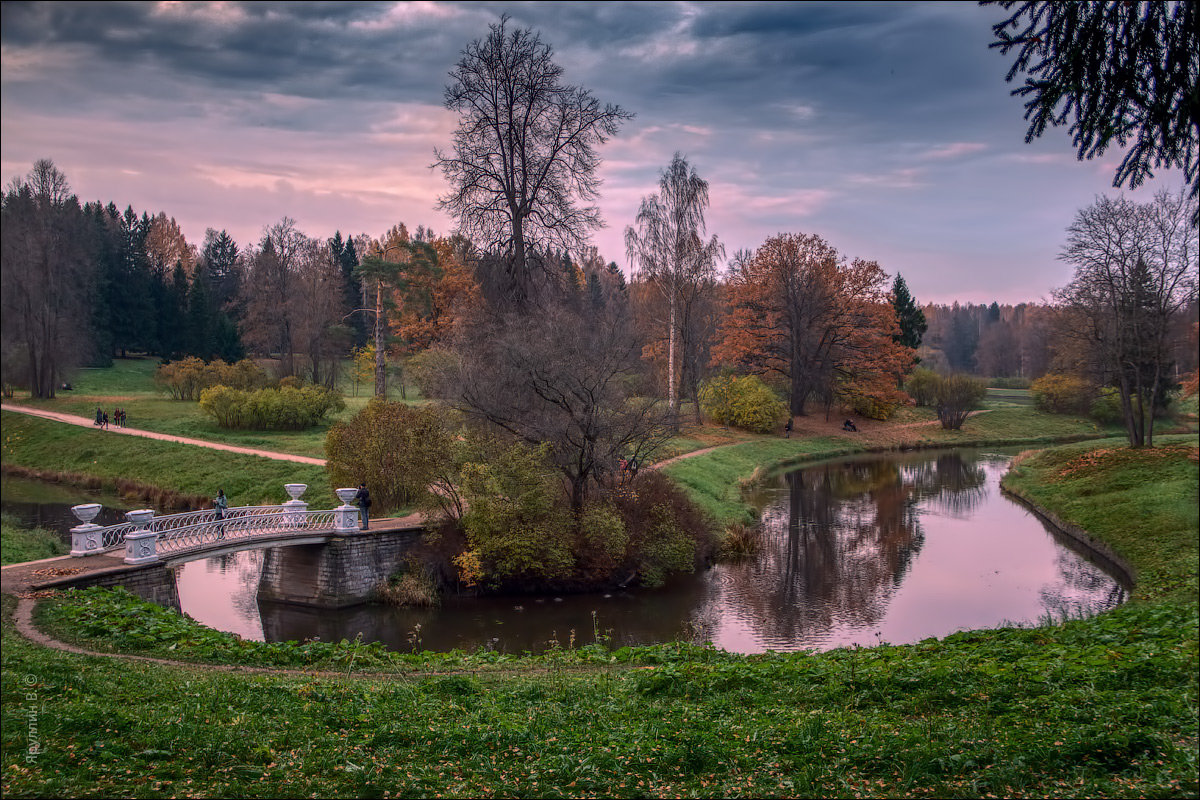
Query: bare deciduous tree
[(560, 377), (45, 277), (268, 289), (525, 150), (1135, 272), (668, 250)]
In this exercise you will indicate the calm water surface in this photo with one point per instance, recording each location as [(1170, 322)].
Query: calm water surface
[(891, 549)]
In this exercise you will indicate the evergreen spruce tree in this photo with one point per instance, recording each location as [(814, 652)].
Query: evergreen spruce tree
[(201, 319), (908, 314)]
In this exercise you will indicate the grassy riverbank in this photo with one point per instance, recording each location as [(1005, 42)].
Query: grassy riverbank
[(83, 455), (1104, 707), (20, 543), (716, 480)]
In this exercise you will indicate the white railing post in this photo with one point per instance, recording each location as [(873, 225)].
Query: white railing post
[(141, 542), (345, 516), (294, 509), (86, 537)]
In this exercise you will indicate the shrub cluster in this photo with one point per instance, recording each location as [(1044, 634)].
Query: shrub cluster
[(956, 397), (1106, 408), (396, 449), (187, 378), (285, 409), (743, 402), (520, 533), (1060, 393), (920, 386)]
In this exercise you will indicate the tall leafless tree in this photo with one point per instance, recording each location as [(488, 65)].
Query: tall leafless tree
[(268, 290), (668, 250), (1135, 272), (45, 277), (524, 161), (560, 377)]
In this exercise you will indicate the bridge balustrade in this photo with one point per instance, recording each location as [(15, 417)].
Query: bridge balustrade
[(144, 536)]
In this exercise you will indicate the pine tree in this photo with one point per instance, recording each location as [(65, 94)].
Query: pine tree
[(908, 315)]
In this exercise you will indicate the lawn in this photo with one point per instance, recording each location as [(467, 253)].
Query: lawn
[(126, 462), (19, 543), (129, 385), (1101, 707)]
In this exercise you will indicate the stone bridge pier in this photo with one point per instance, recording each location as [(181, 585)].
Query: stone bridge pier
[(341, 572)]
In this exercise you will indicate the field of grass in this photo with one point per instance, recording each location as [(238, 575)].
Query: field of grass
[(184, 469), (19, 543), (1102, 707), (129, 384)]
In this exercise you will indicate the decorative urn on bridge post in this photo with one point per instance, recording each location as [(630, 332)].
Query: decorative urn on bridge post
[(345, 516), (294, 509), (141, 543), (85, 538)]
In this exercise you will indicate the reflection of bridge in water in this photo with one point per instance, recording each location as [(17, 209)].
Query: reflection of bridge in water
[(314, 557)]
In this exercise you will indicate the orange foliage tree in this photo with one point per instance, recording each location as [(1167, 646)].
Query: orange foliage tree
[(799, 310), (433, 299)]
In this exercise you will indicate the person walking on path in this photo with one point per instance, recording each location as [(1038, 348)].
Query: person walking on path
[(99, 415), (363, 498), (220, 506), (104, 421)]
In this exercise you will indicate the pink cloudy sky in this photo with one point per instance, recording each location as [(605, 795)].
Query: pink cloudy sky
[(886, 128)]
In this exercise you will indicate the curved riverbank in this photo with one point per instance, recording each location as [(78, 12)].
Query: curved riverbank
[(1102, 707)]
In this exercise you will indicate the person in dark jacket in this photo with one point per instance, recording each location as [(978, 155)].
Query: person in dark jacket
[(363, 498)]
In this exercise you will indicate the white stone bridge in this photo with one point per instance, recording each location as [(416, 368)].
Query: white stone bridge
[(147, 538), (315, 557)]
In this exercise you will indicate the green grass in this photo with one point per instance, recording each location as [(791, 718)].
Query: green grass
[(718, 480), (1102, 707), (129, 384), (19, 543), (1145, 501), (186, 469)]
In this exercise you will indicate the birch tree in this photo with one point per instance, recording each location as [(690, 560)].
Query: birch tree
[(668, 250)]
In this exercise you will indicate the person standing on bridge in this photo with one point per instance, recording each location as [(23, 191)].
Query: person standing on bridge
[(363, 498), (220, 505)]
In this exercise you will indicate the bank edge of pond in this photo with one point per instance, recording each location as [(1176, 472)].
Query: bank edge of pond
[(1100, 707), (719, 479), (20, 543)]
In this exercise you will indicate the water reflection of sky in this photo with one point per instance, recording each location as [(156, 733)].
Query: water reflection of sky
[(891, 549)]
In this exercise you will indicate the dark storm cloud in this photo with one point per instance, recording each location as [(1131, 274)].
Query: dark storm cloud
[(886, 127)]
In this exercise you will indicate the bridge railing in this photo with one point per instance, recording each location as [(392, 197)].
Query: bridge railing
[(144, 535)]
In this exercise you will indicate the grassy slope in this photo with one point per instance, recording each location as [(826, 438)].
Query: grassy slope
[(716, 480), (247, 480), (129, 384), (1104, 707), (18, 543), (1145, 502)]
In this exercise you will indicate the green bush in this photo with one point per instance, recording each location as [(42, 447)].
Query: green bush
[(285, 409), (742, 401), (1060, 393), (187, 378), (956, 397), (430, 369), (1106, 408), (920, 386), (517, 526), (399, 451)]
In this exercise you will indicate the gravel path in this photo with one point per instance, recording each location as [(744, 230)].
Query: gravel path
[(84, 422)]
